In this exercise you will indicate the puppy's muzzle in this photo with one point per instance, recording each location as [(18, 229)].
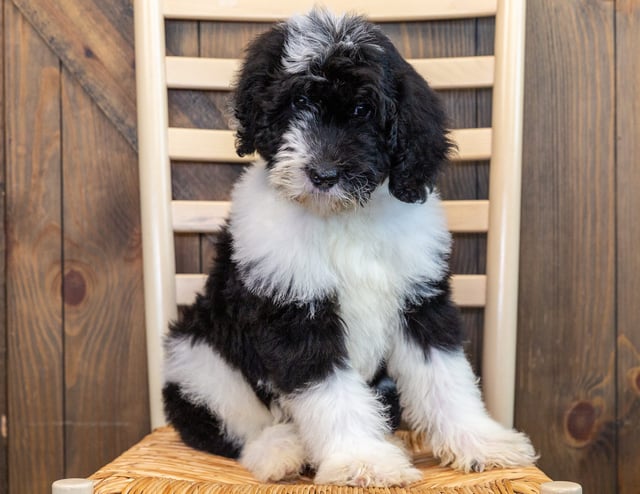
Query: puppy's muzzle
[(323, 176)]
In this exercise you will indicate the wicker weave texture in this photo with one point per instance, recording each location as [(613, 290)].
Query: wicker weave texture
[(162, 464)]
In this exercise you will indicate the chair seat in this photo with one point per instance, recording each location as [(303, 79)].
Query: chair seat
[(162, 463)]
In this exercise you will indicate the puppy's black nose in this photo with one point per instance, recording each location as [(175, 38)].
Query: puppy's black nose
[(323, 177)]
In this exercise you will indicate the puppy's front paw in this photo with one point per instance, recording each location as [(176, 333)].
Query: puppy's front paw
[(277, 453), (381, 465), (482, 450)]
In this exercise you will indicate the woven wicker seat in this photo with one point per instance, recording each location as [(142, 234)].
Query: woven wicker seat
[(161, 463)]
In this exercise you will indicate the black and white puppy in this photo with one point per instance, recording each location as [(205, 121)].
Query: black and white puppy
[(332, 267)]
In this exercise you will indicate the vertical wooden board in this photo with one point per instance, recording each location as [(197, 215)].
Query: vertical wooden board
[(628, 238), (34, 312), (105, 364), (187, 252), (566, 340), (3, 280), (204, 181), (182, 38), (228, 39)]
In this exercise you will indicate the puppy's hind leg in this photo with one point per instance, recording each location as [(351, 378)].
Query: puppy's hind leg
[(197, 426), (210, 402)]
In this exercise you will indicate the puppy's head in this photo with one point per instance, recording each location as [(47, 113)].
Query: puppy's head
[(335, 111)]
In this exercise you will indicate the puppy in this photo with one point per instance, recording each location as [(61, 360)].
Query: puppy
[(331, 270)]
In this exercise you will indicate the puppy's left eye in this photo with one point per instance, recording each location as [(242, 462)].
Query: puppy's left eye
[(362, 110), (301, 102)]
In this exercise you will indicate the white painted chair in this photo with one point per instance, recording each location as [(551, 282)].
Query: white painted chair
[(160, 463)]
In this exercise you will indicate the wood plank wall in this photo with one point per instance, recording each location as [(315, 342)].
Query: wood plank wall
[(34, 249), (567, 327), (627, 123), (3, 281), (72, 364)]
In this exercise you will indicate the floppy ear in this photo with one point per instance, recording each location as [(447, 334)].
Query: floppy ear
[(418, 136), (251, 92)]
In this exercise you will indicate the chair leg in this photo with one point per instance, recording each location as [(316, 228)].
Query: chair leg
[(72, 486), (560, 487)]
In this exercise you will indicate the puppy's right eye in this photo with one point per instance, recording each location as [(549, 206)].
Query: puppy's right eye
[(301, 102)]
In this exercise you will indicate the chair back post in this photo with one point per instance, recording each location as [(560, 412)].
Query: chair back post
[(155, 191), (501, 313)]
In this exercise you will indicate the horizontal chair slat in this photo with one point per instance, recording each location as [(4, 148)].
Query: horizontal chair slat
[(199, 216), (468, 290), (467, 216), (376, 10), (456, 73), (204, 145), (218, 145), (219, 73), (209, 216)]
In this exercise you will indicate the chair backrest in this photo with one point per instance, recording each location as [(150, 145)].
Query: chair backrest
[(498, 217)]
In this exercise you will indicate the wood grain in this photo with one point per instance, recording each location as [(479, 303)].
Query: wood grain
[(94, 39), (3, 281), (566, 340), (34, 311), (105, 364), (628, 238)]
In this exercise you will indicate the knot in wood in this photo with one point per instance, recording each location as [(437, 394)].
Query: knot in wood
[(74, 288), (580, 423)]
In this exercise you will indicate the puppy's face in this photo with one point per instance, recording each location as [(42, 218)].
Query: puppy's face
[(335, 111)]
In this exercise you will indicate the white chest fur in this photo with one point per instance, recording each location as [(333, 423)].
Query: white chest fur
[(372, 259)]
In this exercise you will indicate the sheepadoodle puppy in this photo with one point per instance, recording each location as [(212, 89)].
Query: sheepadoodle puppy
[(332, 271)]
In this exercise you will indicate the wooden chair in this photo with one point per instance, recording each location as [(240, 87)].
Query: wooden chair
[(160, 462)]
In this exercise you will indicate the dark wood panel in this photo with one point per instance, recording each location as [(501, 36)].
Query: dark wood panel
[(566, 341), (105, 364), (3, 308), (94, 39), (228, 40), (34, 315), (204, 181), (628, 238)]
